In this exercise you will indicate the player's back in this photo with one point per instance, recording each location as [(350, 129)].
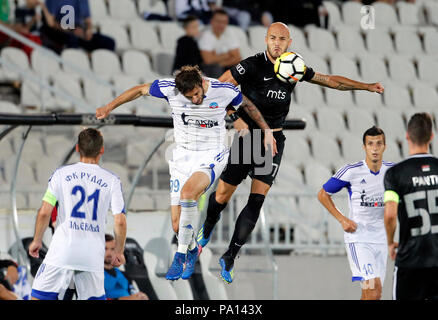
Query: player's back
[(85, 192), (415, 180)]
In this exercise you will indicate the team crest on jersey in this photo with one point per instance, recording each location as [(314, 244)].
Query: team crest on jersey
[(213, 105)]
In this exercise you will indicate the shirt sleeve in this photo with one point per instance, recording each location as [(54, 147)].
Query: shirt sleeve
[(308, 75), (84, 9), (162, 88), (334, 185), (244, 70), (51, 196), (117, 202), (391, 190)]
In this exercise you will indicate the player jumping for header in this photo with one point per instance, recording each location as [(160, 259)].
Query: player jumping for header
[(198, 110)]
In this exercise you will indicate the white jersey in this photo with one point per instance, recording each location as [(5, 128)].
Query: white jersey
[(84, 192), (365, 189), (198, 127)]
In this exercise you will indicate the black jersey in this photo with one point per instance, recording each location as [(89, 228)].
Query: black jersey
[(415, 180), (271, 96)]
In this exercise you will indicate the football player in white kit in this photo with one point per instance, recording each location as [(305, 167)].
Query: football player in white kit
[(198, 110), (364, 230), (85, 192)]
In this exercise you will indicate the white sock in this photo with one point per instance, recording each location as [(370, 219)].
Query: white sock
[(189, 209)]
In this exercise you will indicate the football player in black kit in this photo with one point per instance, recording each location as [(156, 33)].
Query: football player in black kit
[(272, 97), (411, 193)]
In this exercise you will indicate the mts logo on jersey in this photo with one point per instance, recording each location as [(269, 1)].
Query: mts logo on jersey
[(281, 95), (198, 123)]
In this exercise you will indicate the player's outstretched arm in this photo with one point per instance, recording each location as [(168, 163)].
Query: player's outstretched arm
[(120, 238), (42, 222), (342, 83), (255, 115), (126, 96), (390, 220), (327, 201)]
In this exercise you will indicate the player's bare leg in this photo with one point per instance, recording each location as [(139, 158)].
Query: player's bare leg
[(371, 289), (182, 221)]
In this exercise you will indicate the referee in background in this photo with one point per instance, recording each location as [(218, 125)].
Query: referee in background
[(411, 193)]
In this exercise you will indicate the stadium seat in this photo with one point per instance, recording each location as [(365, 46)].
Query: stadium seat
[(427, 66), (432, 12), (141, 200), (351, 13), (321, 41), (350, 41), (170, 32), (16, 57), (340, 100), (397, 97), (98, 10), (44, 65), (385, 16), (163, 63), (297, 149), (106, 63), (34, 96), (214, 286), (309, 94), (289, 177), (138, 65), (314, 216), (306, 113), (343, 66), (379, 43), (391, 122), (324, 150), (9, 107), (120, 171), (316, 62), (97, 94), (368, 100), (118, 33), (330, 121), (373, 69), (162, 287), (144, 37), (424, 96), (122, 10), (77, 58), (25, 175), (352, 150), (410, 14), (392, 152), (257, 36), (408, 43), (431, 42), (334, 13), (68, 85), (359, 120), (402, 70), (299, 43), (57, 147)]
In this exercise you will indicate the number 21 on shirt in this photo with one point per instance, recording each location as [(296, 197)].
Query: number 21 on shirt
[(94, 198)]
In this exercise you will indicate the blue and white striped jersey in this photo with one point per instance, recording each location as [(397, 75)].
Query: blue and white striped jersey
[(198, 127), (365, 189)]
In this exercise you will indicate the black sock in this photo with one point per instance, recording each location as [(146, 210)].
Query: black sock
[(214, 210), (245, 223)]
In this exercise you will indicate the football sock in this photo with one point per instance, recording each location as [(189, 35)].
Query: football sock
[(214, 210), (189, 209)]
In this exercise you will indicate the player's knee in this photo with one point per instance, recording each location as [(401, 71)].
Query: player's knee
[(223, 197)]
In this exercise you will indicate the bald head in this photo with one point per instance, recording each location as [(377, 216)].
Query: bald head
[(277, 40)]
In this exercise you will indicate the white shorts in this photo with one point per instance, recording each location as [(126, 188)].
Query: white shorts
[(184, 163), (367, 260), (51, 282)]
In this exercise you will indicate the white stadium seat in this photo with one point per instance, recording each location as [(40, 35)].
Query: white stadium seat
[(397, 97), (44, 65), (144, 37), (97, 94), (316, 175), (379, 42), (373, 69), (402, 70), (341, 100), (309, 94), (385, 15), (68, 85), (391, 123), (32, 95), (392, 152), (324, 148), (368, 100), (152, 6), (297, 151), (350, 41), (118, 32), (16, 57), (334, 13), (410, 14), (432, 12), (9, 107), (359, 120), (170, 32), (424, 96), (257, 36), (98, 10), (343, 66), (316, 62), (122, 9), (299, 43), (321, 41), (431, 42), (351, 13), (427, 66), (352, 147), (106, 63), (407, 42), (78, 58), (330, 121), (136, 64)]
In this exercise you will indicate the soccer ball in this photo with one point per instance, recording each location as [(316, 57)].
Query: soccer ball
[(290, 67)]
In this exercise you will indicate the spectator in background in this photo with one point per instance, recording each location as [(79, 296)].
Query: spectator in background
[(238, 10), (219, 46), (117, 286), (187, 50), (200, 8), (8, 277), (82, 36)]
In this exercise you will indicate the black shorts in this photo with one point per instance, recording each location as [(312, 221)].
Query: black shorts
[(247, 158), (415, 283)]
